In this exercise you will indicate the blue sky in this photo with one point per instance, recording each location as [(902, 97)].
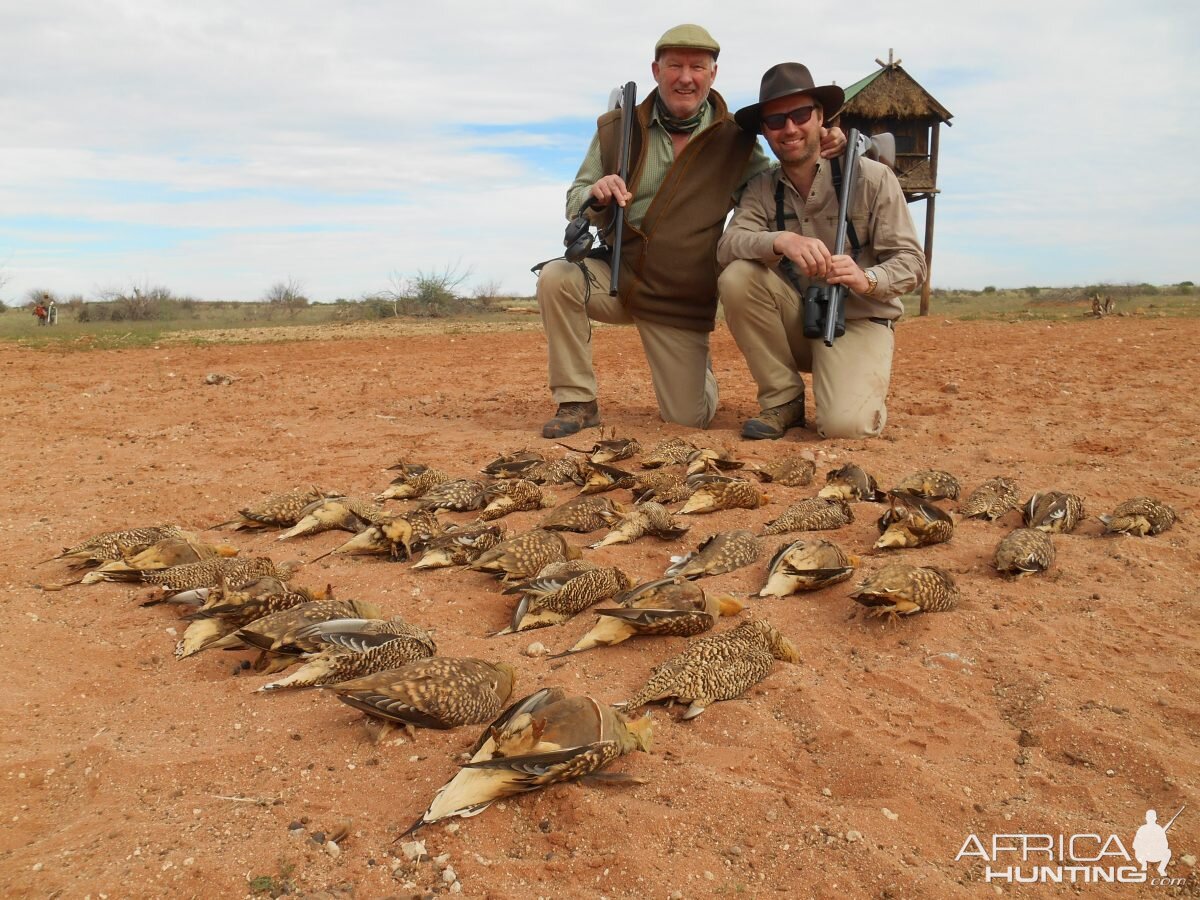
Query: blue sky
[(220, 149)]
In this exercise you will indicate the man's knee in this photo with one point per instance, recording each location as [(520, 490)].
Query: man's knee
[(696, 419), (740, 277), (692, 412), (559, 281), (849, 424)]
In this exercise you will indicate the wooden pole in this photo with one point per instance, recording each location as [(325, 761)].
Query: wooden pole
[(929, 207), (928, 253)]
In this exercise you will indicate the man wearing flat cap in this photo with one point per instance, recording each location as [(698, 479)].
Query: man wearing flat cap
[(791, 212), (687, 161)]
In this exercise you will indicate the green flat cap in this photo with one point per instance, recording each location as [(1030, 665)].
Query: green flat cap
[(688, 37)]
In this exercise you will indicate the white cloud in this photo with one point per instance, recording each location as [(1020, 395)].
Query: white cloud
[(340, 143)]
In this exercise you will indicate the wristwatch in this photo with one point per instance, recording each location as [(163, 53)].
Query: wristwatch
[(872, 281)]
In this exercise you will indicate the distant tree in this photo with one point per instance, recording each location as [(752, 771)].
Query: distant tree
[(77, 307), (34, 296), (140, 303), (1032, 291), (486, 291), (990, 289), (1184, 287), (287, 295)]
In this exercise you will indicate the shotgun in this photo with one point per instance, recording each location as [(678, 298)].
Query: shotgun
[(628, 113), (835, 316)]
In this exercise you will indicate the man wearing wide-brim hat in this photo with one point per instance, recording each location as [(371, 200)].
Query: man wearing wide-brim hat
[(688, 158), (791, 212)]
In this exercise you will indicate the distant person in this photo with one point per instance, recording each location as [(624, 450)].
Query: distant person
[(687, 161), (791, 212), (40, 312), (52, 313)]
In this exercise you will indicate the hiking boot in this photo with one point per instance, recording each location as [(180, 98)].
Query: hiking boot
[(571, 417), (772, 423)]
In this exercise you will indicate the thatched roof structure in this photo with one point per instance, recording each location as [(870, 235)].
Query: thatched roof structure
[(891, 93), (889, 100)]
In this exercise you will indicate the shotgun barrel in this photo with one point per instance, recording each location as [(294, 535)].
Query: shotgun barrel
[(835, 313), (628, 112)]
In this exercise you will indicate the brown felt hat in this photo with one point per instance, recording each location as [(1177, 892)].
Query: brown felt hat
[(782, 81), (688, 37)]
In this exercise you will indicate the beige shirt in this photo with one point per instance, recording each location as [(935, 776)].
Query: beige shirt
[(660, 154), (880, 216)]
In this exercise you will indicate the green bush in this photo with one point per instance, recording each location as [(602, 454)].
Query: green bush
[(431, 294)]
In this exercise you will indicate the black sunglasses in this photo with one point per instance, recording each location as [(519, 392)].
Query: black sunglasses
[(799, 116)]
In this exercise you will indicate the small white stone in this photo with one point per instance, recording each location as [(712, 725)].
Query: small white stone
[(1188, 860), (191, 860), (333, 849), (413, 850), (537, 648), (448, 875), (456, 888), (709, 876), (442, 860), (853, 837), (37, 867), (452, 828), (888, 814), (826, 792)]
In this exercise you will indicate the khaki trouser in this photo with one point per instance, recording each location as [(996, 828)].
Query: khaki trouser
[(850, 379), (680, 366)]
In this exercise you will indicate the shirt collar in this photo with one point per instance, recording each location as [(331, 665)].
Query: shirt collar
[(822, 170)]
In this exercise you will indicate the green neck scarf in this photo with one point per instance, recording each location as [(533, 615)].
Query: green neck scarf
[(671, 123)]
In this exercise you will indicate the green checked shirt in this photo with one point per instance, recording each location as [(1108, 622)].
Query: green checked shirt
[(660, 154)]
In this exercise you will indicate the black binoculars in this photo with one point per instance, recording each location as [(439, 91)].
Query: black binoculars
[(824, 312)]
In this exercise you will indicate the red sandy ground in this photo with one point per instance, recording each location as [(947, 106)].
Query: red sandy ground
[(1060, 704)]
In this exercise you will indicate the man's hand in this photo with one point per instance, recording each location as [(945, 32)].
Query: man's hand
[(844, 270), (612, 187), (811, 256), (833, 142)]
